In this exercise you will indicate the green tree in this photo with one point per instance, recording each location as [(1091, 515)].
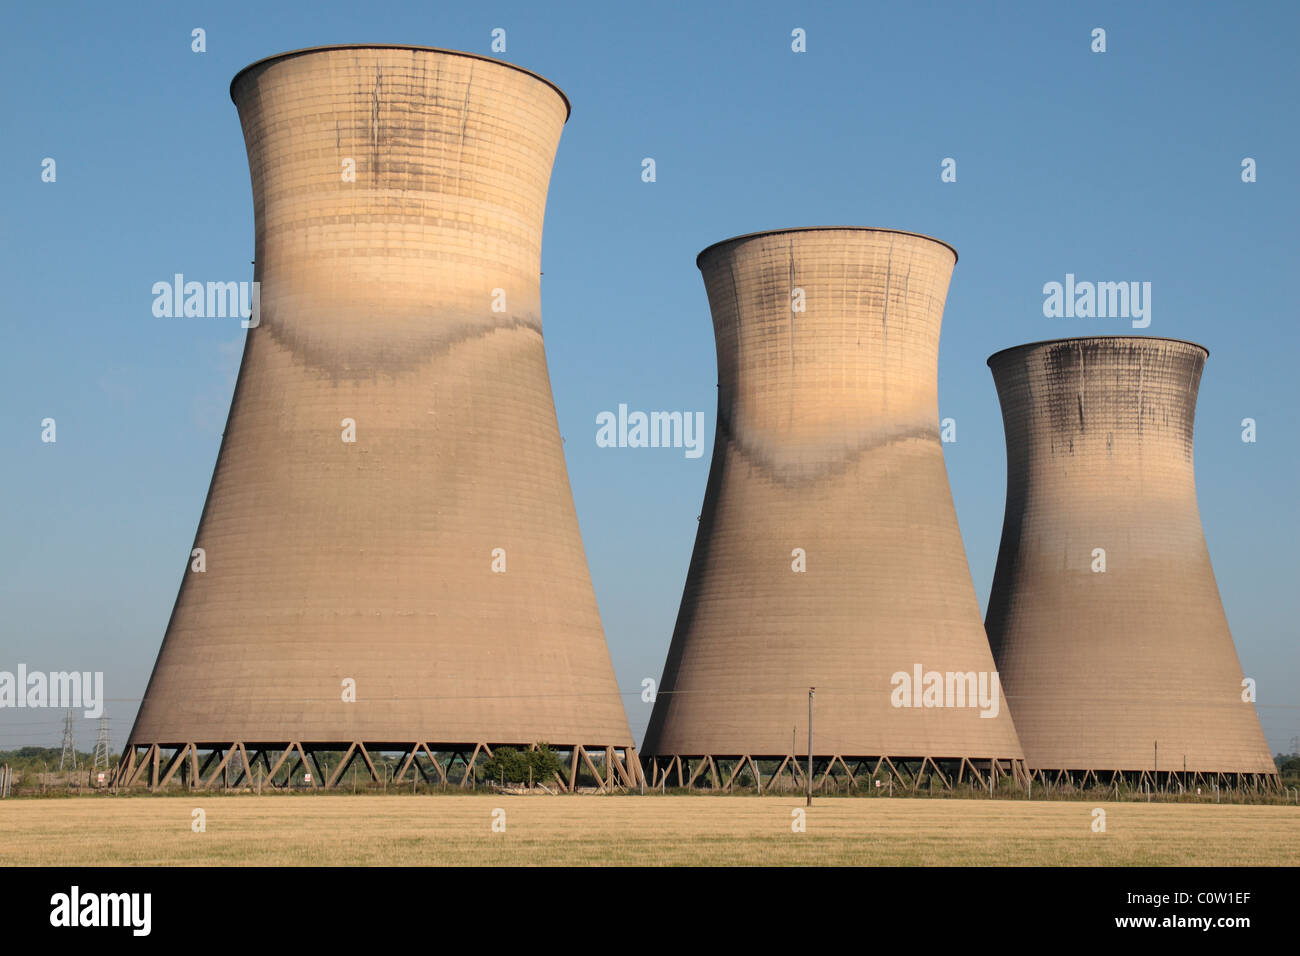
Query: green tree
[(508, 765)]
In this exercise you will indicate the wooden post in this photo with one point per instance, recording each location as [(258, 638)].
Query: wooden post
[(811, 690)]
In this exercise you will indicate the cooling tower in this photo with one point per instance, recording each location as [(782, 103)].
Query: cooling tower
[(1104, 618), (390, 517), (828, 552)]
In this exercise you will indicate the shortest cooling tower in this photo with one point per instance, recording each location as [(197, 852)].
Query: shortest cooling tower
[(1105, 618)]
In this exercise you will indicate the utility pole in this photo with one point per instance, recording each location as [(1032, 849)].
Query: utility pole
[(1155, 779), (810, 744), (69, 753)]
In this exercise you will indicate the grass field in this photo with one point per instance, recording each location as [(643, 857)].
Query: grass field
[(631, 830)]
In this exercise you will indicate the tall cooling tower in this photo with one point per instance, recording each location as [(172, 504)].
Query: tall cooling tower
[(390, 516), (827, 457), (1104, 616)]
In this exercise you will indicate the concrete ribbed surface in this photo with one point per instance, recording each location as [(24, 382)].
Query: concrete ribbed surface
[(372, 561), (1099, 668), (827, 440)]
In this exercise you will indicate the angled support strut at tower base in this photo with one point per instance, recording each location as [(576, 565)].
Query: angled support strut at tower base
[(831, 772), (236, 765)]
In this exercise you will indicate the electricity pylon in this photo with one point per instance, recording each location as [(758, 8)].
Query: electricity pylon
[(69, 753), (102, 748)]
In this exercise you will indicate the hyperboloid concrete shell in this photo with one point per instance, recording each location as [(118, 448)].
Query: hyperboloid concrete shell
[(1104, 616), (827, 456), (432, 567)]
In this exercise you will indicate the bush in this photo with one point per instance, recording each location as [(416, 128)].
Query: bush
[(508, 765)]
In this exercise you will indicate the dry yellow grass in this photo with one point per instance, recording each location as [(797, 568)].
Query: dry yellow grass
[(585, 830)]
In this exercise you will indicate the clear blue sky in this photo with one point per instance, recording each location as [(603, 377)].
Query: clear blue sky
[(1122, 165)]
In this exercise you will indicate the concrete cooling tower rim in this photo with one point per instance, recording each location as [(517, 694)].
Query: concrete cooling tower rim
[(779, 232), (568, 107), (1092, 338)]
